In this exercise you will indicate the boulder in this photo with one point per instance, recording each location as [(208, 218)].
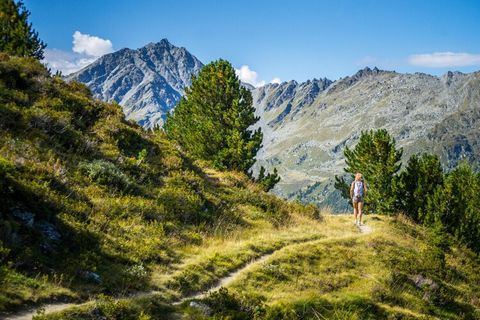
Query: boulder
[(206, 310), (91, 276), (48, 230), (25, 217)]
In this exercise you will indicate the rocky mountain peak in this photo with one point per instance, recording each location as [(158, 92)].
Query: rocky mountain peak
[(361, 74), (146, 82)]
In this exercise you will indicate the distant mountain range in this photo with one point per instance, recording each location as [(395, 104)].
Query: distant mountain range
[(146, 82), (307, 125)]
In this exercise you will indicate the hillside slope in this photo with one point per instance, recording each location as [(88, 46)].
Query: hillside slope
[(92, 203), (390, 269), (307, 125), (146, 82)]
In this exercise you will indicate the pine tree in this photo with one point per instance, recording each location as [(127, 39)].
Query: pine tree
[(376, 157), (416, 183), (17, 37), (454, 206), (213, 118), (268, 181)]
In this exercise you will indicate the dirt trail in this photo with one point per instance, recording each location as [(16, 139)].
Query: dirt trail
[(232, 276), (27, 314), (223, 282)]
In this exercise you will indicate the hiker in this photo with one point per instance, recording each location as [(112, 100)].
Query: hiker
[(358, 190)]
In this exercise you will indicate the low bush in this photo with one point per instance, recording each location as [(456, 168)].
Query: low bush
[(226, 305), (107, 174)]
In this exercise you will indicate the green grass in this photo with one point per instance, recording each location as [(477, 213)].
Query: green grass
[(367, 277), (18, 289), (338, 273)]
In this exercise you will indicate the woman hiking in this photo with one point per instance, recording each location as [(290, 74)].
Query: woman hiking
[(358, 190)]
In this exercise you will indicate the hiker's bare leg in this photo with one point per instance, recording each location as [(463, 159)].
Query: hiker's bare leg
[(355, 205), (360, 211)]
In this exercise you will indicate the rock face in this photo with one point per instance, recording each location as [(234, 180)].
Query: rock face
[(146, 82), (307, 125)]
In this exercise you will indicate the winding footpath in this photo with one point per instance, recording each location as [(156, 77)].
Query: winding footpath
[(28, 313)]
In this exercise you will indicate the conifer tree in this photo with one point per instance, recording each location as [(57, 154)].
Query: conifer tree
[(268, 181), (213, 119), (416, 183), (377, 158), (17, 37), (454, 206)]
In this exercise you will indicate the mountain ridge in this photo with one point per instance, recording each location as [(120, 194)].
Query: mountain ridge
[(147, 81), (420, 111)]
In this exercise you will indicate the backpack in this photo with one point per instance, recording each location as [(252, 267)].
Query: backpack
[(358, 189)]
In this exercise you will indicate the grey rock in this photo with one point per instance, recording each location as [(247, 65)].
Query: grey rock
[(430, 288), (27, 218), (48, 230), (146, 82), (205, 309), (421, 281), (91, 276)]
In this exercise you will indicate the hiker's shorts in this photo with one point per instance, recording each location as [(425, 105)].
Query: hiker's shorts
[(357, 199)]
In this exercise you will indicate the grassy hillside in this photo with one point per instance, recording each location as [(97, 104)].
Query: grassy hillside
[(397, 272), (91, 203), (394, 269), (98, 212)]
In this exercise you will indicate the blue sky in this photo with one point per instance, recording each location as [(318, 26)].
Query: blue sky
[(277, 39)]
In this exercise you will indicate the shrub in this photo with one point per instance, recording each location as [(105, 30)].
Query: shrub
[(131, 142), (21, 75), (226, 305), (182, 204), (107, 174), (4, 252), (10, 117), (268, 181)]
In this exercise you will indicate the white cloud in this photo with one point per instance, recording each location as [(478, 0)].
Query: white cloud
[(444, 59), (276, 80), (66, 62), (91, 45), (86, 49), (245, 74), (248, 76)]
